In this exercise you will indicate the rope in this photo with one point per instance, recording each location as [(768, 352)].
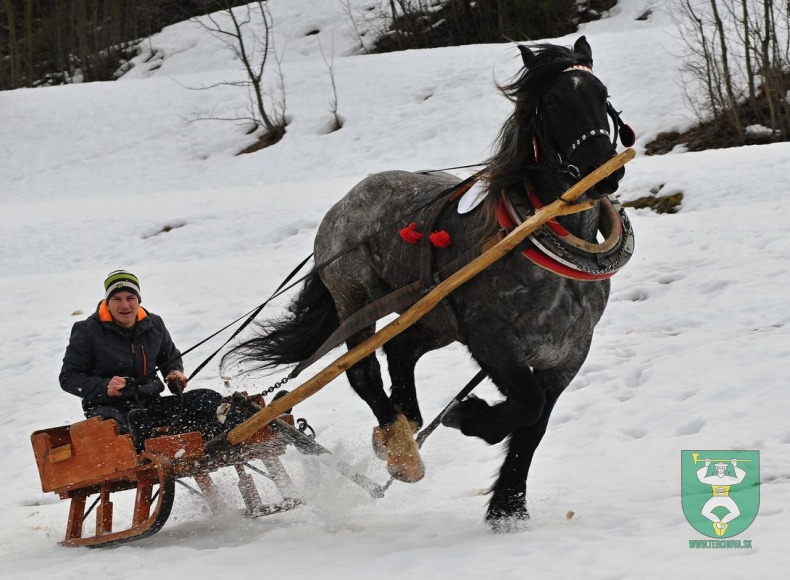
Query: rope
[(282, 288)]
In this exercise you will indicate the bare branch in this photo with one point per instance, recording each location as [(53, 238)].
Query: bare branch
[(248, 35)]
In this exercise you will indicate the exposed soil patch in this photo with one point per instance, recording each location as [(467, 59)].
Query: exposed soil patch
[(454, 24), (165, 229), (721, 133), (265, 140), (658, 203)]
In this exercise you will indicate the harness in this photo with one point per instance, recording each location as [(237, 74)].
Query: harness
[(609, 257), (554, 248), (622, 131), (405, 296)]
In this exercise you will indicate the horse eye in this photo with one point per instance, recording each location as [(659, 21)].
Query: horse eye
[(551, 105)]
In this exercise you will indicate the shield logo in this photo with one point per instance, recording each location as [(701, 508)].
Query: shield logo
[(720, 490)]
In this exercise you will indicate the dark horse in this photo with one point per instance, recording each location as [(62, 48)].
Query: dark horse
[(526, 326)]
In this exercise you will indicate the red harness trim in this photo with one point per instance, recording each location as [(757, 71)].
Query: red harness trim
[(460, 191), (553, 224), (535, 255), (553, 265)]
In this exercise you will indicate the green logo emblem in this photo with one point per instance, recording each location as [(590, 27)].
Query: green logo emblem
[(720, 490)]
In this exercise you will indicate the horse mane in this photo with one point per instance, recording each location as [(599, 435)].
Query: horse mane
[(514, 150)]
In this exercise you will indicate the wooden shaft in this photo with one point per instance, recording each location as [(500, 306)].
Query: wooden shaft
[(427, 303)]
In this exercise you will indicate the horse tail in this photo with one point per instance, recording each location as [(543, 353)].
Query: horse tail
[(310, 320)]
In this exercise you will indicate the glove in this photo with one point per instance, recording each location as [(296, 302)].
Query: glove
[(148, 390)]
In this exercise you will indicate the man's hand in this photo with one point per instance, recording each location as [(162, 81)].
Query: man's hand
[(115, 386), (734, 462), (707, 462), (177, 378)]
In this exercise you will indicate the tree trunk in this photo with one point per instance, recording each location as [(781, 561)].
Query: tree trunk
[(82, 36), (30, 73), (731, 100), (13, 51), (747, 33)]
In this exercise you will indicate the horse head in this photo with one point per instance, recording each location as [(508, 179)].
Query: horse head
[(568, 110)]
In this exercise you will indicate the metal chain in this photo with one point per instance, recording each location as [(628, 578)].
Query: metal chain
[(276, 386)]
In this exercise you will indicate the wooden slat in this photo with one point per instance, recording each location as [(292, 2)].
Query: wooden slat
[(59, 454)]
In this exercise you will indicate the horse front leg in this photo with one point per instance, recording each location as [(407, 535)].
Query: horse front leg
[(402, 454), (507, 510), (523, 405)]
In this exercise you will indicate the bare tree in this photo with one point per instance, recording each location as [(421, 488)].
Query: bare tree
[(248, 35), (737, 51), (337, 120)]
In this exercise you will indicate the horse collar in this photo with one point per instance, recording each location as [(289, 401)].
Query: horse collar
[(554, 248)]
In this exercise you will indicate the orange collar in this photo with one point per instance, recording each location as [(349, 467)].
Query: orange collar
[(105, 316)]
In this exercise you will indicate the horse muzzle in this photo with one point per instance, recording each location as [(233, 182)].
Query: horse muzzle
[(606, 186), (591, 151)]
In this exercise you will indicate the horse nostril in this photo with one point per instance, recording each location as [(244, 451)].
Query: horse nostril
[(608, 185)]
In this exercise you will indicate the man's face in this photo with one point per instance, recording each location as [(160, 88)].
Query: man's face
[(720, 471), (123, 308)]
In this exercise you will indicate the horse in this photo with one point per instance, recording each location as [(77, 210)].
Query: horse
[(527, 325)]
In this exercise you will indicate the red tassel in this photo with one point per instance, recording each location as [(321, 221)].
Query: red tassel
[(410, 234), (440, 239)]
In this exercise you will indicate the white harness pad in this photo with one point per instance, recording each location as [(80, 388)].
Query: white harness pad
[(473, 197)]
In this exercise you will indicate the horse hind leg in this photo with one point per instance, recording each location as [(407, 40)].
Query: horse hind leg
[(402, 353), (403, 455)]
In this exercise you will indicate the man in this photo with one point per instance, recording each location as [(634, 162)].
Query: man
[(110, 363)]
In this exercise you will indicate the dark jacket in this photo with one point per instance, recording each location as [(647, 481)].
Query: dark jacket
[(99, 349)]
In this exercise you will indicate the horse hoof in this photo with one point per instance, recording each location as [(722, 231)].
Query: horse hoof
[(408, 471), (403, 455), (507, 522), (452, 416), (508, 525), (380, 446), (464, 414)]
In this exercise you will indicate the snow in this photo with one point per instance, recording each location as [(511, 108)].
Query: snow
[(693, 351)]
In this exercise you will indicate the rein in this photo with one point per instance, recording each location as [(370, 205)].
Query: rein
[(564, 166), (283, 288)]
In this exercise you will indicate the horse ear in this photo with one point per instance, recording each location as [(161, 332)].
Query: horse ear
[(582, 48), (526, 55)]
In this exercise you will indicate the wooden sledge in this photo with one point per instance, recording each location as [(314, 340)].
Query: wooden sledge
[(91, 457)]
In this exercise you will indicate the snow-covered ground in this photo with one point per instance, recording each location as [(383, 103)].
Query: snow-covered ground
[(692, 353)]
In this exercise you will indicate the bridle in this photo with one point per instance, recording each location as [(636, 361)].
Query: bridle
[(622, 131)]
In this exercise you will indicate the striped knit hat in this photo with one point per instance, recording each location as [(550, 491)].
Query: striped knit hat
[(121, 280)]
